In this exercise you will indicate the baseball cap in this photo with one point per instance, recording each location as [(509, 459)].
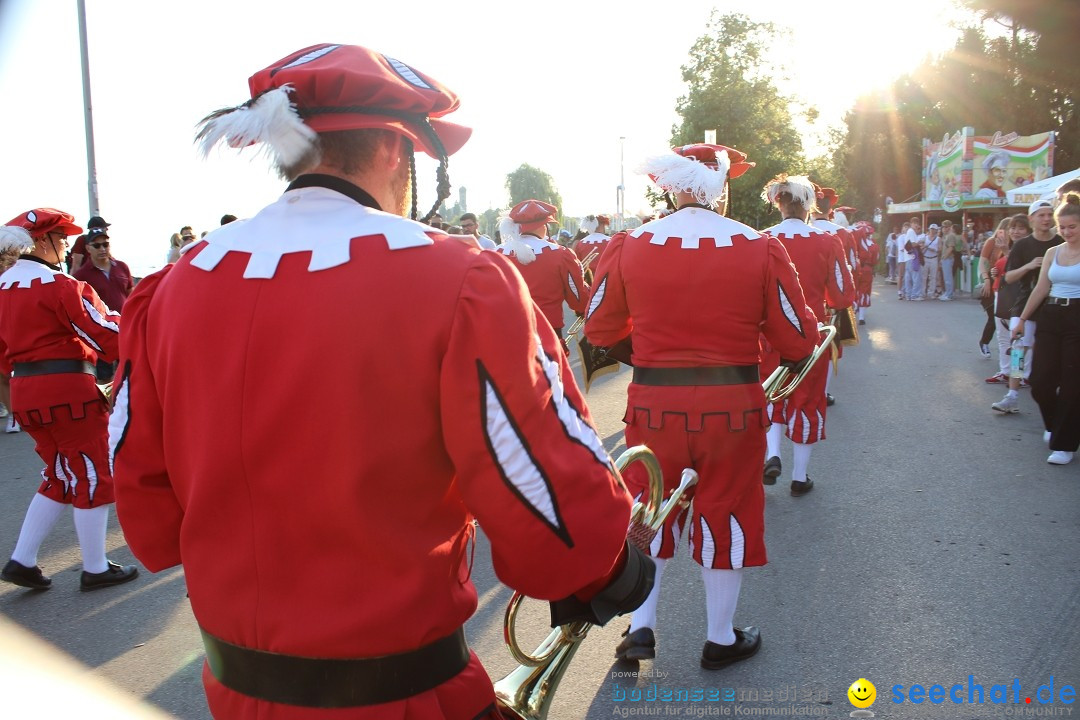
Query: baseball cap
[(934, 226), (97, 222), (1039, 205), (96, 232)]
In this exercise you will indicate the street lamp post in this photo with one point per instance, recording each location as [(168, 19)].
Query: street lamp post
[(91, 164)]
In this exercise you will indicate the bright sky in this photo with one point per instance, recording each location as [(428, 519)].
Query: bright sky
[(555, 85)]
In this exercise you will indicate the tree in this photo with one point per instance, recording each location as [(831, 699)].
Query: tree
[(730, 89), (529, 183)]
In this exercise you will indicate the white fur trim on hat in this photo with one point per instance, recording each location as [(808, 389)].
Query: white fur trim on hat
[(510, 232), (14, 238), (798, 186), (675, 173), (270, 119), (590, 224)]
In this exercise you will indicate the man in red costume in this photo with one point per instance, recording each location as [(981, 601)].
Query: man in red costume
[(822, 218), (552, 272), (867, 252), (52, 329), (325, 533), (691, 292), (596, 240), (818, 257)]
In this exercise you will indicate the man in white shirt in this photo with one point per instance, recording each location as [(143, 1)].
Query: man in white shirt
[(932, 255), (912, 242)]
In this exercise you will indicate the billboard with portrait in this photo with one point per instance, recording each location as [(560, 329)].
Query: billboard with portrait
[(1005, 162), (943, 167)]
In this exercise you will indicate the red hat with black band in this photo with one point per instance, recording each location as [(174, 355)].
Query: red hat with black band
[(701, 169), (328, 88)]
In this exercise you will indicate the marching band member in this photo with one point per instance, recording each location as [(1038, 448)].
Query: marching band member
[(867, 252), (818, 257), (693, 290), (822, 218), (52, 330), (551, 271), (596, 240), (328, 560)]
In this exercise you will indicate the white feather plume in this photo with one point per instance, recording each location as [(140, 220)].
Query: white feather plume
[(676, 173), (798, 186), (271, 119), (15, 239), (840, 219), (589, 224), (510, 232)]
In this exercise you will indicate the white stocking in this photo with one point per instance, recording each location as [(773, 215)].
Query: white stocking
[(645, 615), (91, 525), (802, 460), (721, 597), (772, 440), (40, 518)]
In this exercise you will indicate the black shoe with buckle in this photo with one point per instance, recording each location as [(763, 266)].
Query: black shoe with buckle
[(637, 645), (829, 400), (27, 577), (801, 488), (115, 574), (747, 643), (772, 471)]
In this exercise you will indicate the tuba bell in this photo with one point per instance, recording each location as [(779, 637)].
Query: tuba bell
[(782, 383), (526, 693)]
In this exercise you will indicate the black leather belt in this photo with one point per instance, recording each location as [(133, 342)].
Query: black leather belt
[(52, 367), (331, 682), (718, 375), (1063, 302)]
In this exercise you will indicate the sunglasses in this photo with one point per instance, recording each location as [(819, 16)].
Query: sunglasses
[(99, 245)]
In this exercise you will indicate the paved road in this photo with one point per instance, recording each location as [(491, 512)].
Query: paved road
[(937, 545)]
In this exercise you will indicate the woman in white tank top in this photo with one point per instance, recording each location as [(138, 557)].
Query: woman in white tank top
[(1055, 374)]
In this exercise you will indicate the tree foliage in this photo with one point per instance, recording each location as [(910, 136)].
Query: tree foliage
[(530, 183), (730, 89), (990, 83)]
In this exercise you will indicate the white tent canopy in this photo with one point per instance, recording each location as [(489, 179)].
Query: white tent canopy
[(1043, 189)]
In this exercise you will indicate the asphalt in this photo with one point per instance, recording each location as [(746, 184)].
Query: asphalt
[(937, 548)]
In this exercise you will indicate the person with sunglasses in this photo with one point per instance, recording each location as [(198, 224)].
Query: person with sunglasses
[(111, 278)]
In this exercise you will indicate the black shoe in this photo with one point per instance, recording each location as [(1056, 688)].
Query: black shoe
[(829, 400), (772, 471), (637, 645), (27, 577), (747, 643), (801, 488), (116, 574), (862, 322)]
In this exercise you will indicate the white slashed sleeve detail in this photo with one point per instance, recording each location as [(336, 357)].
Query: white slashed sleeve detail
[(805, 427), (91, 475), (72, 479), (789, 311), (100, 319), (597, 298), (514, 460), (118, 421), (821, 426), (573, 285), (708, 544), (574, 425), (839, 276), (738, 544), (85, 337)]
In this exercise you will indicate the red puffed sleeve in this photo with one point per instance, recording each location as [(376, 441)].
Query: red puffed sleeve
[(839, 285), (789, 325), (575, 289), (146, 505), (608, 318), (529, 463), (94, 323)]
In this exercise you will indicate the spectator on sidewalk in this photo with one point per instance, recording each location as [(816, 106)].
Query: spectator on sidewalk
[(110, 278)]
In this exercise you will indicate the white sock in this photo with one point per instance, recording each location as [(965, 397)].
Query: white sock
[(721, 597), (91, 525), (1011, 394), (772, 440), (802, 460), (862, 313), (645, 615), (828, 380), (40, 518)]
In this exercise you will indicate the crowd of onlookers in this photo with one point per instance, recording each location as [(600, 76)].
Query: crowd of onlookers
[(930, 265)]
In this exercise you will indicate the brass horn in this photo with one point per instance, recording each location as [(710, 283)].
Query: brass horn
[(782, 383), (526, 693)]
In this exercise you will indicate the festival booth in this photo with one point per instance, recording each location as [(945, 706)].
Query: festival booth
[(968, 178), (1041, 190)]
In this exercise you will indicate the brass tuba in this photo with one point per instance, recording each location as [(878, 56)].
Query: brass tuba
[(782, 383), (526, 693)]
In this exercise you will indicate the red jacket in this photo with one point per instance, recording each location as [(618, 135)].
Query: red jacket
[(553, 277)]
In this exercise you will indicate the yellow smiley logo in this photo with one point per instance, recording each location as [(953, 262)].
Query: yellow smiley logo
[(862, 693)]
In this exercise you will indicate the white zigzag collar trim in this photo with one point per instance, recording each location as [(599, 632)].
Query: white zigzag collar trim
[(312, 219), (23, 272), (692, 225), (594, 239), (793, 228)]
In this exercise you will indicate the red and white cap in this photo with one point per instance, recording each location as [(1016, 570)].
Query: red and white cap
[(592, 223), (700, 169), (798, 187), (324, 88), (525, 217), (41, 221), (826, 197)]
